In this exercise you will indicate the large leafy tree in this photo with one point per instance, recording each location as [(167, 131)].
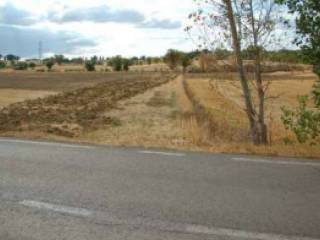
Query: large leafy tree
[(308, 28), (305, 121)]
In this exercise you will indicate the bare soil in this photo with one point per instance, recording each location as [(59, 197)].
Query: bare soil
[(70, 113), (60, 81), (197, 111)]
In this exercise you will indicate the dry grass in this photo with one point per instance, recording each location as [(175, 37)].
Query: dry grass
[(208, 116), (224, 97), (10, 96), (150, 68), (145, 124)]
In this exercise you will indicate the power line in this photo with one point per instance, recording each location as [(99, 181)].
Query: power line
[(40, 51)]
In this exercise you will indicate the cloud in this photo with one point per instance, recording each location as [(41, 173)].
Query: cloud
[(99, 14), (11, 15), (161, 24), (24, 41)]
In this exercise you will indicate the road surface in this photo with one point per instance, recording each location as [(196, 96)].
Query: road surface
[(51, 190)]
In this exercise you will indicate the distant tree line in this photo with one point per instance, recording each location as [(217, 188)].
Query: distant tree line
[(173, 58)]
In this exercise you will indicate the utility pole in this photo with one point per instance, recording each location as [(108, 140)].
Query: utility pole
[(40, 52)]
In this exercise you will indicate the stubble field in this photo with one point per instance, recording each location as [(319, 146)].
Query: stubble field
[(195, 111)]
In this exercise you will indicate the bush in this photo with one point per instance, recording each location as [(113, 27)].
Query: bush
[(90, 66), (20, 66), (173, 58), (2, 64), (49, 65), (126, 64), (304, 121), (32, 65), (117, 64)]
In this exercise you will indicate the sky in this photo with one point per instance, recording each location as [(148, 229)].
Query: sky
[(94, 27), (83, 28)]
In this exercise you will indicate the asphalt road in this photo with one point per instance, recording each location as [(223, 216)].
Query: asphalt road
[(56, 191)]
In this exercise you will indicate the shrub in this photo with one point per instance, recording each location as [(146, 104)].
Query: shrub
[(185, 62), (304, 121), (90, 66), (173, 59), (32, 65), (2, 64), (49, 65), (126, 64), (117, 63), (20, 66)]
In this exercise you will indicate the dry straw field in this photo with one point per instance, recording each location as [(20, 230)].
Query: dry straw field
[(151, 109), (220, 108)]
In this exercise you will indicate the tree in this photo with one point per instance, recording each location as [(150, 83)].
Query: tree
[(126, 64), (94, 60), (116, 63), (32, 65), (49, 64), (90, 66), (2, 64), (305, 121), (185, 61), (11, 58), (307, 24), (240, 23), (20, 66), (173, 58), (59, 59), (78, 60), (221, 54)]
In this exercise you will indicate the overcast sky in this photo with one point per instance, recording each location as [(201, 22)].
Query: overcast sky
[(96, 27), (88, 27)]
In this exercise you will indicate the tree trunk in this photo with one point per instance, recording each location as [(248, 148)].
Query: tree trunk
[(251, 113), (262, 127)]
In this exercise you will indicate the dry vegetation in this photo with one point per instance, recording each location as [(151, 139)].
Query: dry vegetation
[(222, 114), (59, 81), (149, 119), (198, 111), (73, 112), (10, 96)]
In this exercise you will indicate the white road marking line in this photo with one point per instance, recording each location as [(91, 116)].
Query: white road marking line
[(163, 153), (280, 162), (225, 232), (46, 143), (57, 208), (163, 225)]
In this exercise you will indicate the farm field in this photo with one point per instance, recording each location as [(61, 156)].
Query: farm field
[(192, 112), (219, 108), (58, 81), (18, 86)]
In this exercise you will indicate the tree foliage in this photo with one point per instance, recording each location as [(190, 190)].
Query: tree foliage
[(59, 59), (305, 121), (2, 64), (49, 64), (32, 65), (20, 66), (173, 58), (90, 66)]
